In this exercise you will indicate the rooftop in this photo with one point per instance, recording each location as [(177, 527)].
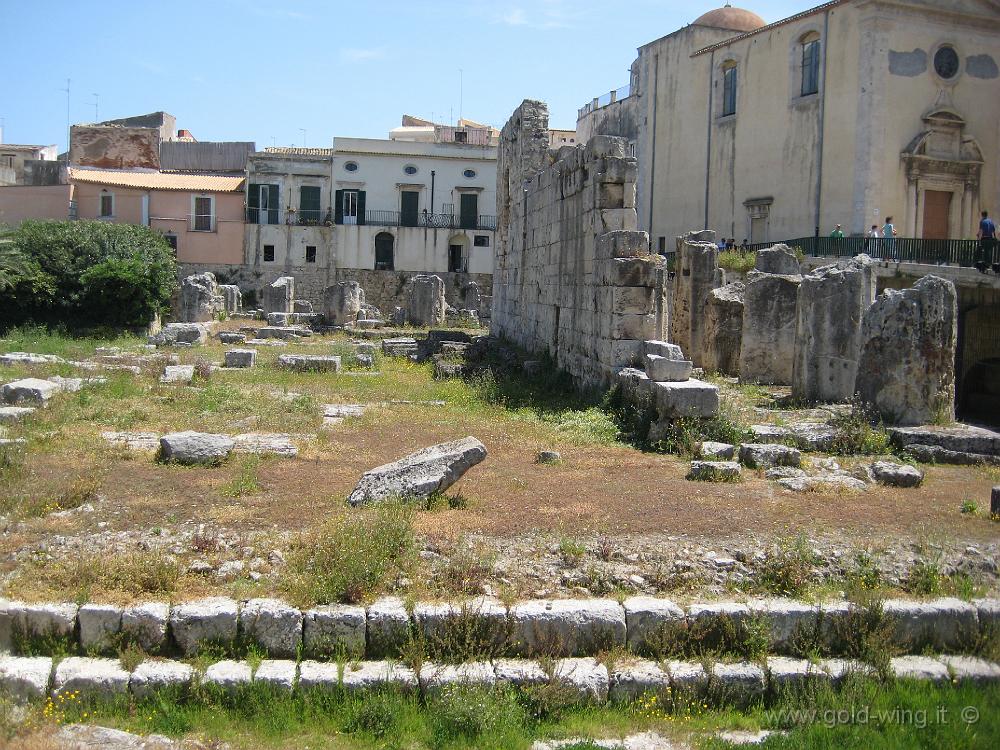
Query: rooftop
[(150, 180), (728, 17), (296, 151)]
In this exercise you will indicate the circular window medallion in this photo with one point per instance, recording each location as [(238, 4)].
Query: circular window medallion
[(410, 169), (469, 173), (351, 166), (946, 62)]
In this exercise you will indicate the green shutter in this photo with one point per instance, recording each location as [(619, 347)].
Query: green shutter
[(253, 203), (338, 207), (272, 204), (361, 207)]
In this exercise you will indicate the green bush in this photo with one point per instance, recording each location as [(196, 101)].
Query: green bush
[(737, 260), (84, 274)]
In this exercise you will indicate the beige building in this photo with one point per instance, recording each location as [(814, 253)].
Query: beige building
[(17, 162), (845, 113)]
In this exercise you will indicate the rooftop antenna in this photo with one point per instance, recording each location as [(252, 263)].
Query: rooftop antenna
[(274, 141), (68, 126), (303, 131), (97, 101), (461, 92)]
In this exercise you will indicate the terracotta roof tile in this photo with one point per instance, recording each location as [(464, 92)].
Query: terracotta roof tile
[(209, 183)]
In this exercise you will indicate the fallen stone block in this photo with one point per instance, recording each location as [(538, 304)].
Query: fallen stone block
[(134, 441), (29, 358), (961, 439), (632, 678), (191, 447), (367, 675), (714, 471), (399, 347), (240, 358), (25, 678), (283, 333), (278, 673), (101, 678), (11, 414), (212, 620), (823, 483), (646, 618), (945, 623), (971, 669), (31, 390), (231, 337), (567, 627), (739, 684), (766, 455), (279, 295), (146, 625), (897, 475), (228, 676), (420, 474), (663, 370), (99, 627), (333, 629), (919, 668), (691, 398), (784, 472), (310, 362), (713, 451), (662, 349), (172, 334), (265, 443), (153, 675), (435, 677), (273, 625), (334, 414), (177, 374), (266, 342), (777, 259), (388, 627)]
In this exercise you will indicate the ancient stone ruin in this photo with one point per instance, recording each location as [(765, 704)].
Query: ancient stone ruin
[(572, 276), (201, 299), (425, 303), (723, 329), (767, 346), (342, 302), (696, 274), (279, 296)]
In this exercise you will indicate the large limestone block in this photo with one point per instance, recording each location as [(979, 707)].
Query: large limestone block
[(101, 678), (232, 298), (690, 398), (228, 676), (278, 673), (156, 674), (723, 332), (767, 346), (567, 627), (198, 623), (420, 474), (173, 334), (971, 669), (780, 259), (831, 305), (787, 620), (425, 302), (662, 370), (30, 390), (334, 628), (310, 362), (200, 300), (924, 668), (766, 455), (99, 627), (945, 623), (146, 625), (279, 295), (342, 302), (907, 365), (630, 679), (647, 618), (436, 677), (388, 627), (436, 620), (191, 447), (368, 675), (25, 678), (622, 244), (273, 625), (697, 274), (740, 683), (240, 358)]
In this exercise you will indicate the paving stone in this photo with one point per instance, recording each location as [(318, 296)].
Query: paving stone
[(11, 414), (786, 618), (273, 625), (646, 616), (334, 628), (971, 669), (943, 623), (766, 455), (99, 626), (177, 374), (146, 625), (134, 441), (30, 390), (367, 675), (630, 678), (388, 627), (25, 678), (919, 668), (897, 475), (157, 674), (191, 447), (265, 444), (740, 683), (227, 675), (240, 358), (714, 471), (211, 620), (713, 451), (91, 677), (567, 626), (279, 673), (310, 362), (435, 677), (334, 414)]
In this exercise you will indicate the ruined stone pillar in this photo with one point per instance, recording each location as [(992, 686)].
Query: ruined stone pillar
[(723, 329), (696, 273), (767, 347), (279, 295), (342, 302), (200, 300), (425, 304)]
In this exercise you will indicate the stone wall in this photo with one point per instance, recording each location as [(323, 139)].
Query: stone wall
[(696, 274), (572, 276)]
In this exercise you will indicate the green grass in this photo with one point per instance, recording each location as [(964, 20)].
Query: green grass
[(735, 260)]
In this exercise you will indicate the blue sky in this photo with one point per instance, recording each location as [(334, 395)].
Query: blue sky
[(253, 70)]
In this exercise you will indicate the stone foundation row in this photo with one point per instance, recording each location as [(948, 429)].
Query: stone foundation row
[(561, 627), (28, 678)]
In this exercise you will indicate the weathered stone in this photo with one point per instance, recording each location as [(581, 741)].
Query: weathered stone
[(783, 472), (787, 619), (146, 625), (177, 374), (302, 306), (420, 474), (942, 623), (823, 483), (336, 413), (9, 414), (662, 349), (25, 678), (444, 369), (388, 627), (784, 673), (646, 617), (153, 675), (435, 677), (342, 302), (779, 259), (231, 337), (897, 475), (425, 304), (399, 347), (278, 673), (437, 622), (907, 365), (832, 301), (333, 629), (227, 675), (840, 669), (31, 390), (317, 675), (191, 447), (691, 398), (240, 357), (265, 444), (472, 296), (567, 627), (279, 294), (29, 358), (99, 627), (660, 369), (957, 438), (713, 451), (173, 334), (714, 471), (200, 299), (696, 274), (716, 612), (37, 620), (687, 678), (212, 620), (766, 455), (273, 625), (548, 457), (306, 362), (919, 668), (631, 679), (767, 346), (232, 298), (586, 675), (102, 678), (368, 675), (723, 329), (284, 333), (971, 669), (739, 683)]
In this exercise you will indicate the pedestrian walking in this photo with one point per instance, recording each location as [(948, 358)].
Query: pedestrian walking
[(987, 236), (889, 238)]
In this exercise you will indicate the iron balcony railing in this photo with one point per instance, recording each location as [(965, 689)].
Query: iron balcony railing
[(962, 253), (304, 217), (378, 217)]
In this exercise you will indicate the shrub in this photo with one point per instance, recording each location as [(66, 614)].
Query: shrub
[(859, 431), (737, 260), (85, 274), (787, 569), (924, 578), (350, 557), (471, 711)]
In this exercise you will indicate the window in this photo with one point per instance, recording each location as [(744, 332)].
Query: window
[(946, 62), (309, 210), (810, 65), (469, 173), (456, 259), (310, 253), (268, 253), (384, 260), (662, 246), (461, 136), (410, 169), (728, 88), (203, 213), (107, 205), (262, 204), (351, 166), (349, 207), (7, 160), (468, 210), (481, 240)]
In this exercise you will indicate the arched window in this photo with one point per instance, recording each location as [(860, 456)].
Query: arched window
[(810, 64), (729, 88), (384, 252)]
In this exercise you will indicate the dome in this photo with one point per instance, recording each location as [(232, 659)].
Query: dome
[(729, 17)]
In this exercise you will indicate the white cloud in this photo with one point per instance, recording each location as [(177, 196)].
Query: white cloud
[(362, 54), (547, 14)]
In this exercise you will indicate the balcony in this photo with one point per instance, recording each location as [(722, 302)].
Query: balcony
[(481, 222), (304, 217)]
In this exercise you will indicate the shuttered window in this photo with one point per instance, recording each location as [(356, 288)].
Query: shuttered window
[(309, 208)]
